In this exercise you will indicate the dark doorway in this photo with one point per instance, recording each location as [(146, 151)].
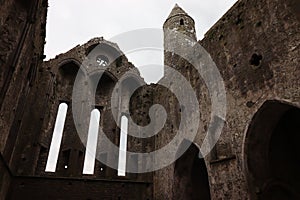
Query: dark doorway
[(190, 176), (272, 152)]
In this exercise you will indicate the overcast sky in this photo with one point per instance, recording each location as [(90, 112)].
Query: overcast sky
[(73, 22)]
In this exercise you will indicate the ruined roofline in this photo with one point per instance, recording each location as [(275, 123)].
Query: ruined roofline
[(219, 22), (91, 42)]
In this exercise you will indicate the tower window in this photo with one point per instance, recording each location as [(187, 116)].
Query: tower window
[(181, 22)]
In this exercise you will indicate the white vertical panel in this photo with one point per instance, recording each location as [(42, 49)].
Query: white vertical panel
[(56, 138), (91, 146), (123, 147)]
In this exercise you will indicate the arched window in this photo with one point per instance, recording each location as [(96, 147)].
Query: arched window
[(123, 146), (190, 174), (272, 152), (181, 22), (56, 138), (91, 146)]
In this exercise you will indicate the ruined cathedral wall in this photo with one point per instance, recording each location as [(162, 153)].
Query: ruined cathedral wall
[(22, 38), (255, 45), (22, 42), (61, 73), (56, 80)]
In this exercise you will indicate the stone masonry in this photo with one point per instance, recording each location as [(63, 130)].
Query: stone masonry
[(256, 48)]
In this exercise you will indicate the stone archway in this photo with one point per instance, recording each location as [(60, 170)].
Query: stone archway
[(272, 152), (190, 176)]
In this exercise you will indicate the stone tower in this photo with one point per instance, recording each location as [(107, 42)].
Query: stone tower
[(179, 20), (179, 34)]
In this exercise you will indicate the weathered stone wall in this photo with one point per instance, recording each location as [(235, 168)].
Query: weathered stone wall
[(57, 188), (38, 94), (255, 46), (56, 81), (22, 42), (5, 177)]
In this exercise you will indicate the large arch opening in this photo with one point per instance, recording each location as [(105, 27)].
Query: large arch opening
[(102, 84), (128, 87), (190, 175), (68, 149), (272, 152), (68, 71)]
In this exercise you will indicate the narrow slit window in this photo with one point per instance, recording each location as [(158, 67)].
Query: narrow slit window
[(123, 146), (181, 22), (91, 146), (56, 138), (65, 160)]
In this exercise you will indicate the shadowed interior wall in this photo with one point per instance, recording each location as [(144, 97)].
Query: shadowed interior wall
[(272, 152), (190, 176)]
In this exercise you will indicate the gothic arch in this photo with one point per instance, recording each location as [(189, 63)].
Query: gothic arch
[(131, 82), (68, 69), (69, 60), (128, 86), (104, 46), (102, 84), (70, 158), (271, 152), (66, 75), (190, 175)]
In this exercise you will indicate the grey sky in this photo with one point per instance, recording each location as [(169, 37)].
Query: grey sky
[(73, 22)]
